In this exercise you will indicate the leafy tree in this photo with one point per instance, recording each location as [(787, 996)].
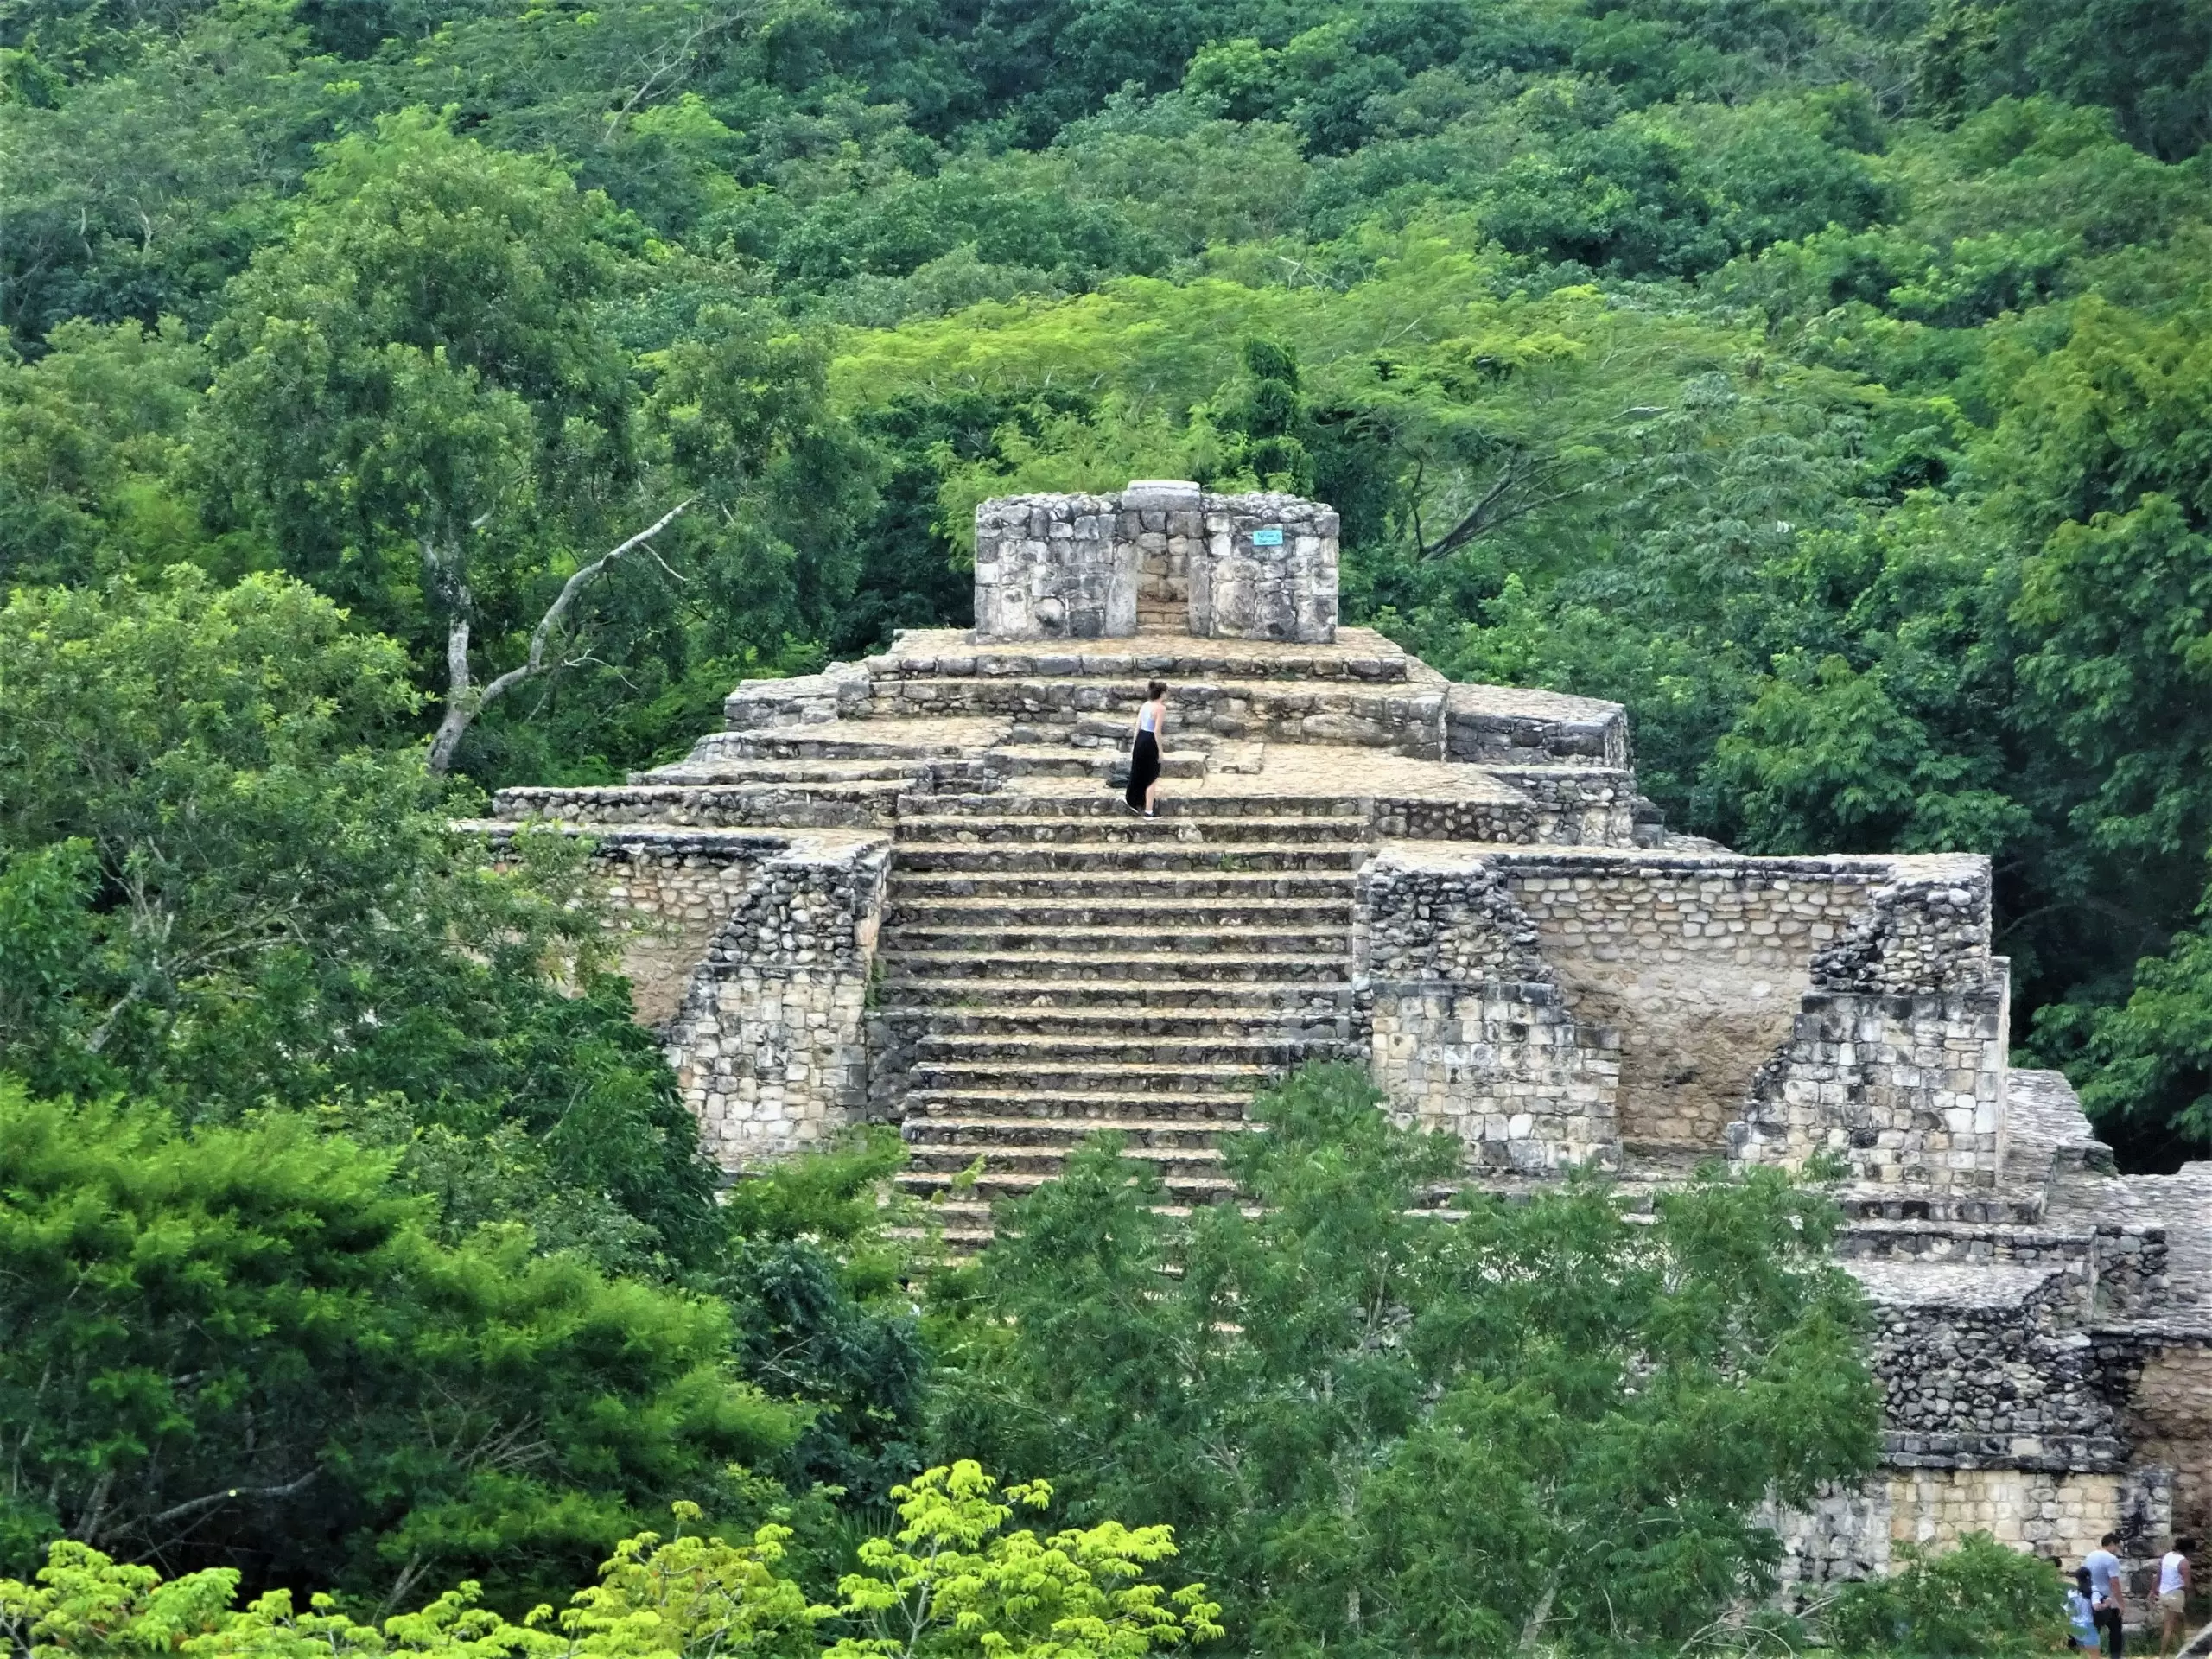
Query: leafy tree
[(952, 1581), (1377, 1428), (415, 402), (824, 1316), (1261, 417), (242, 1346), (89, 436), (227, 888)]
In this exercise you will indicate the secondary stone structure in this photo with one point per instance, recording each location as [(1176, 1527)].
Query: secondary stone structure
[(906, 890)]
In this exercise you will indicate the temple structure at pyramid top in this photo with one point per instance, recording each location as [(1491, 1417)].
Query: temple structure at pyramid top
[(1162, 556)]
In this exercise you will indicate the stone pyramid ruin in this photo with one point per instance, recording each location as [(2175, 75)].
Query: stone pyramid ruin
[(906, 889)]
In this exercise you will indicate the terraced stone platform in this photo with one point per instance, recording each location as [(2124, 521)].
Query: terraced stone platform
[(907, 890)]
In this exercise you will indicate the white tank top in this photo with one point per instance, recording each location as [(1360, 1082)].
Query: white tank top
[(1146, 716), (2170, 1573)]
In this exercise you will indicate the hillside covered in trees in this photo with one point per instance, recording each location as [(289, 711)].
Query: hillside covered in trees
[(400, 398), (1824, 378)]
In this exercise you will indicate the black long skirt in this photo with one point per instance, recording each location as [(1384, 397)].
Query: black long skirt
[(1144, 768)]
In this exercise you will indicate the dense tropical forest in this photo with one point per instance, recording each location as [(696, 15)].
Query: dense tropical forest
[(1828, 380)]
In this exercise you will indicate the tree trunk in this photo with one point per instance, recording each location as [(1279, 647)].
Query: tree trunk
[(461, 706), (464, 701)]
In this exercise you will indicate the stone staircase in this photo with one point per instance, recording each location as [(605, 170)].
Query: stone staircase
[(1053, 966)]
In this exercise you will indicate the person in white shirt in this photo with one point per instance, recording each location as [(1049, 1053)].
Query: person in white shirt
[(2103, 1568), (2173, 1594), (1143, 792)]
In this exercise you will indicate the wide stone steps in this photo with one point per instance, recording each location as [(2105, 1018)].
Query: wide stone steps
[(991, 1184), (1152, 887), (764, 769), (1135, 855), (1119, 1051), (1070, 1019), (932, 912), (986, 966), (1173, 657), (1130, 829), (1079, 1111), (1107, 734), (837, 740), (1161, 936), (1000, 1159), (1073, 1077), (783, 804), (1054, 967), (1059, 1135), (1021, 996), (1346, 814), (1066, 761), (1407, 717)]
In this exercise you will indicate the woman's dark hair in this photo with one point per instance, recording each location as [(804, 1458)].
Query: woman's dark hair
[(1155, 691), (2082, 1577)]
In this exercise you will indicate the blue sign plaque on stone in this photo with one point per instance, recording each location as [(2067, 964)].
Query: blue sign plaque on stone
[(1271, 537)]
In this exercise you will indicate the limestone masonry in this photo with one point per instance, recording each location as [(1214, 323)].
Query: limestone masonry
[(906, 889)]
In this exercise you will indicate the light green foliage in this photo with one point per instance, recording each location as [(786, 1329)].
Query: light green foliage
[(1977, 1598), (973, 1587), (1375, 1429), (953, 1580), (689, 1596)]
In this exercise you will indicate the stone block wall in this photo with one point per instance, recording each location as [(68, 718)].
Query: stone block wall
[(1511, 725), (1985, 1366), (1698, 962), (1468, 1033), (1163, 518), (787, 806), (2169, 1417), (1896, 1061), (1053, 567), (1571, 807), (1269, 571), (1925, 933), (1503, 1066), (671, 895), (1704, 975), (837, 693), (1904, 1089), (769, 1046), (2059, 1515), (1088, 567)]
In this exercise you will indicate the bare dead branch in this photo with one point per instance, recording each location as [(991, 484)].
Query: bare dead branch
[(464, 702), (178, 1511)]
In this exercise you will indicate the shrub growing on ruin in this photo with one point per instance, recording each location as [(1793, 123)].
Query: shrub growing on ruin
[(1977, 1598)]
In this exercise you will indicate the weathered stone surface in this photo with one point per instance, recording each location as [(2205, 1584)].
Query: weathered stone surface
[(1161, 553), (768, 1046)]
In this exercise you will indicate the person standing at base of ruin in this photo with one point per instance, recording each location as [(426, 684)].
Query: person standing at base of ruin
[(2103, 1568), (1143, 794), (2173, 1594), (2082, 1613)]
